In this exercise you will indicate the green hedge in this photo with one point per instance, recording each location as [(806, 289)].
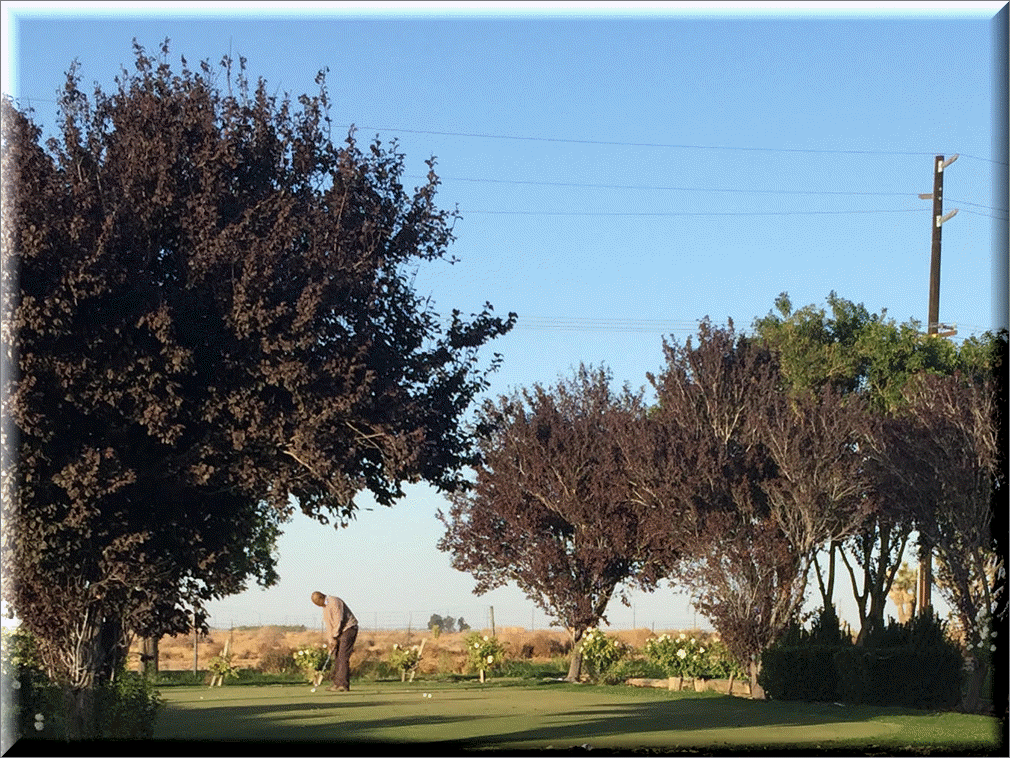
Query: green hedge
[(800, 672), (902, 676), (913, 665)]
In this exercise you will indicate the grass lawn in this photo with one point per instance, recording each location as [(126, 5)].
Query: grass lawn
[(523, 716)]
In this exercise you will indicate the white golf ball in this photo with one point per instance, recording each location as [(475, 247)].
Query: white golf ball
[(313, 689)]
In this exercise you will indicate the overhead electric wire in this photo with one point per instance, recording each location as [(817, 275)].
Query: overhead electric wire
[(979, 213), (738, 190), (464, 212), (977, 205), (567, 140)]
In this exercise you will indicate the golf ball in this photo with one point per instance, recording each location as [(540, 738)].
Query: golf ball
[(313, 689)]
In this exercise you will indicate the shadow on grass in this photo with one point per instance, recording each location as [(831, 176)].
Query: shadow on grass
[(564, 717)]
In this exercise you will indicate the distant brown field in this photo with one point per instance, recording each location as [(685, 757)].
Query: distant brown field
[(444, 653)]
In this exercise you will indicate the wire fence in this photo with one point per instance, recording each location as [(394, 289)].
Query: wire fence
[(480, 618)]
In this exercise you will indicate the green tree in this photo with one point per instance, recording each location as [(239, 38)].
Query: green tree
[(208, 321), (873, 356)]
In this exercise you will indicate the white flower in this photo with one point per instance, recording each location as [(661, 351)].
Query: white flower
[(16, 684), (477, 644), (39, 717), (682, 654), (702, 650), (692, 641), (395, 646), (992, 648), (485, 636), (39, 726), (490, 659), (683, 636)]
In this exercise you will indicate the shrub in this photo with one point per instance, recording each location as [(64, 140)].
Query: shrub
[(600, 652), (310, 659), (484, 653), (801, 666), (687, 656), (914, 665), (127, 708), (800, 672), (221, 665), (404, 659)]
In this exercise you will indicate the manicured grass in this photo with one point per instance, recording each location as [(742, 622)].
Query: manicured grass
[(524, 716)]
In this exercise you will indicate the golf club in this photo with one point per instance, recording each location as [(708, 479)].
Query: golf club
[(319, 672)]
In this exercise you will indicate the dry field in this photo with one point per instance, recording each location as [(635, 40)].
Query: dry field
[(252, 648)]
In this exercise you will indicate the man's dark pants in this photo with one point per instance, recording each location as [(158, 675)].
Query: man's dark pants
[(342, 658)]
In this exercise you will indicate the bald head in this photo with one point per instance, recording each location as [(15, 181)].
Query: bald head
[(319, 599)]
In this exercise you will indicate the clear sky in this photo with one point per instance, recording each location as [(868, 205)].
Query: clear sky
[(622, 172)]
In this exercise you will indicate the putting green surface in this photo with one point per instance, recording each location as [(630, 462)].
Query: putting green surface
[(531, 716)]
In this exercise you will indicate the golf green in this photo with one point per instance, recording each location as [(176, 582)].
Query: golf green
[(536, 716)]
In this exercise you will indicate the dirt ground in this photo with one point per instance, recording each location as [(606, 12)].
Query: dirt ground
[(251, 648)]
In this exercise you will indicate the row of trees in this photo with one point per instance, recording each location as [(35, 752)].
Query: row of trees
[(763, 456), (447, 623), (208, 320)]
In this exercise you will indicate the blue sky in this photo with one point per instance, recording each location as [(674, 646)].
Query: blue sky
[(622, 172)]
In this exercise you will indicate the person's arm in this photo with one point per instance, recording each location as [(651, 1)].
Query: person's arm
[(334, 617), (335, 611)]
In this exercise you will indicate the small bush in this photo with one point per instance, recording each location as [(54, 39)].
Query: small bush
[(404, 659), (688, 656), (484, 653), (600, 652), (127, 708)]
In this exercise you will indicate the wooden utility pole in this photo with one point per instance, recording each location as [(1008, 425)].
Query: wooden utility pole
[(937, 219)]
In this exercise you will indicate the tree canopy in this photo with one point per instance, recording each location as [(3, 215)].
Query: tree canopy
[(550, 508), (208, 320)]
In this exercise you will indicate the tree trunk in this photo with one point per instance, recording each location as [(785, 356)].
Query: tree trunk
[(756, 690), (575, 666), (973, 697), (80, 709), (149, 656)]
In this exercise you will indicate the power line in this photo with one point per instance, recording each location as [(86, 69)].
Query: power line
[(566, 140), (662, 188), (685, 213), (615, 143), (979, 213), (562, 323), (986, 160), (977, 205), (734, 190)]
